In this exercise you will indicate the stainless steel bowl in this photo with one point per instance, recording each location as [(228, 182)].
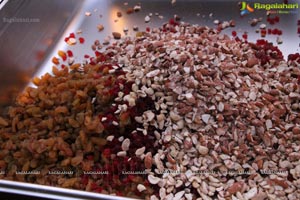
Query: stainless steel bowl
[(32, 31)]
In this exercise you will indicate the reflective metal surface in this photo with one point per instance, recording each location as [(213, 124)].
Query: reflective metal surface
[(46, 192), (28, 31), (26, 48)]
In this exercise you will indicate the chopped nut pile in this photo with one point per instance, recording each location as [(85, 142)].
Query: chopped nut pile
[(204, 115), (222, 106)]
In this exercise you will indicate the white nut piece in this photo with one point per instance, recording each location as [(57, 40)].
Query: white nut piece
[(269, 124), (141, 187), (174, 116), (129, 99), (251, 193), (213, 179), (220, 107), (147, 19), (205, 118), (202, 149), (140, 151), (122, 154), (153, 73), (110, 138), (125, 144), (252, 96), (153, 179), (178, 195), (149, 115)]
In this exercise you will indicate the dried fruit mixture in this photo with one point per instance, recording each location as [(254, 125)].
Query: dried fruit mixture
[(199, 114)]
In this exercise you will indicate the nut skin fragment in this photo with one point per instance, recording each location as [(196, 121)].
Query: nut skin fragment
[(236, 187), (119, 14), (281, 183), (100, 27), (148, 160), (296, 130), (116, 35), (130, 11)]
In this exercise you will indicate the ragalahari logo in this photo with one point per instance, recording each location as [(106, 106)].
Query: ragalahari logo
[(246, 8)]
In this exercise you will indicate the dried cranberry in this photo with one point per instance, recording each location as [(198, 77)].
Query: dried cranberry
[(245, 36), (72, 35), (96, 76), (127, 87), (110, 54), (119, 72), (85, 179), (97, 53), (90, 157), (93, 61), (118, 193), (237, 39), (70, 53), (233, 33), (274, 31), (269, 31), (261, 42), (293, 56), (81, 40), (100, 56), (106, 153), (173, 22), (114, 91), (99, 190), (263, 32)]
